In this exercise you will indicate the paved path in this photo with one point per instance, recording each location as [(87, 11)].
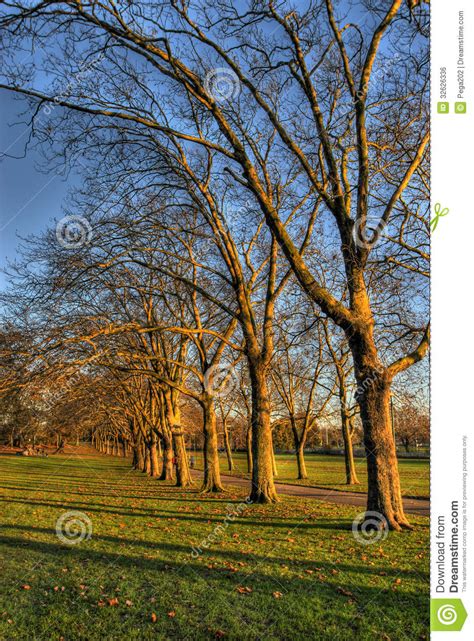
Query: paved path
[(420, 507)]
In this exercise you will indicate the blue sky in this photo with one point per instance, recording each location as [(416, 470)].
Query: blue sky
[(29, 197)]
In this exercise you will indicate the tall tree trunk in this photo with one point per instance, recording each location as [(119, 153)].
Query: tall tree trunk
[(351, 475), (249, 449), (140, 459), (154, 466), (299, 450), (212, 474), (183, 475), (167, 468), (146, 456), (263, 488), (384, 492), (302, 473), (228, 450)]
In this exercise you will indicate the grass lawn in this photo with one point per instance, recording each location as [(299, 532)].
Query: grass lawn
[(287, 571), (329, 471)]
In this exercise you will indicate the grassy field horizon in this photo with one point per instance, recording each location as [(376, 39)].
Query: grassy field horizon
[(328, 471)]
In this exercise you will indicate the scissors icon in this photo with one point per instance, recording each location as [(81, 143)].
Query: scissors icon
[(438, 214)]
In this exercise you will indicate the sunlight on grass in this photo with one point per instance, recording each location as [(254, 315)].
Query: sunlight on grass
[(274, 572)]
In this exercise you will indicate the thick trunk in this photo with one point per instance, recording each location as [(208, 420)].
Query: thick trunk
[(384, 492), (140, 459), (212, 475), (183, 475), (124, 449), (249, 450), (135, 458), (351, 476), (147, 460), (167, 469), (154, 466), (228, 450), (263, 488)]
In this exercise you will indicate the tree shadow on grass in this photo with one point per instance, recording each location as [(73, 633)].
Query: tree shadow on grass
[(190, 552), (346, 600), (212, 519)]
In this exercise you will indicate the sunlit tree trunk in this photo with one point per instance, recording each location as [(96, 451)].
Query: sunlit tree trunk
[(263, 488), (167, 467), (249, 449), (154, 465), (351, 475), (212, 476), (373, 395), (228, 450)]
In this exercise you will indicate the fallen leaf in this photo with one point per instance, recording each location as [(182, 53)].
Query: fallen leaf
[(154, 618), (113, 601), (244, 589), (277, 595), (26, 587), (172, 614)]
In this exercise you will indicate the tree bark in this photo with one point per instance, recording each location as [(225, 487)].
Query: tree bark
[(274, 464), (384, 492), (167, 468), (351, 475), (263, 488), (228, 450), (154, 466), (249, 450), (212, 475), (147, 460), (302, 473), (183, 475), (299, 449)]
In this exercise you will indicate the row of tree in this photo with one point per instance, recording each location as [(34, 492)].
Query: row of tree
[(255, 200)]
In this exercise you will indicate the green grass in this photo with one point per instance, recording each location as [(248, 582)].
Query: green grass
[(329, 471), (308, 578)]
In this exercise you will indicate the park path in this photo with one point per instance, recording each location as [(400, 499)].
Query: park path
[(420, 507)]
